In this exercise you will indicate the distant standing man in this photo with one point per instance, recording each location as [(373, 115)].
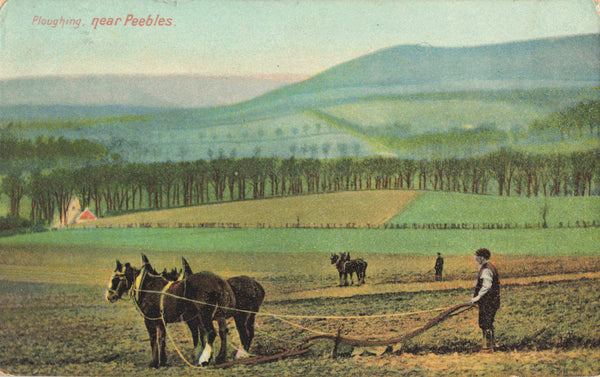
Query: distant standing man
[(486, 294), (439, 267)]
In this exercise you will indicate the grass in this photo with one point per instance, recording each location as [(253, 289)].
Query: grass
[(455, 208), (556, 242), (441, 114)]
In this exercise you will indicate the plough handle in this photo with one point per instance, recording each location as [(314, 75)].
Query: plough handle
[(386, 342)]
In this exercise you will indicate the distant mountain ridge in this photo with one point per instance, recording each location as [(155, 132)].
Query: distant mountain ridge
[(556, 63), (177, 91), (545, 63), (573, 59)]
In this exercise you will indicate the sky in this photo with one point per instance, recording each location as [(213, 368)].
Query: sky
[(285, 40)]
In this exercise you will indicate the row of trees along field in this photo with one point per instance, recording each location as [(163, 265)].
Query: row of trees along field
[(135, 186)]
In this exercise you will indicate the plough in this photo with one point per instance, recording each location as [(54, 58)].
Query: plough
[(309, 341)]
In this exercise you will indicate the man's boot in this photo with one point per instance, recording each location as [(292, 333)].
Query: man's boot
[(492, 340), (484, 343), (488, 341)]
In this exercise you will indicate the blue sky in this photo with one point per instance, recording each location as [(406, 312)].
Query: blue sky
[(260, 38)]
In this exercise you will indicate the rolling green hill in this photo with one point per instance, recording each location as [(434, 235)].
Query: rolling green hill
[(366, 126), (375, 104)]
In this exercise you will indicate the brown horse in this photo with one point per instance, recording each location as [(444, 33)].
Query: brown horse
[(249, 295), (347, 266), (200, 299)]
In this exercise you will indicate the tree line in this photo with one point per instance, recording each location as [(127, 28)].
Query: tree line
[(124, 187), (46, 152), (581, 119)]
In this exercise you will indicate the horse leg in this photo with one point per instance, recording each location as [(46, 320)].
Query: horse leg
[(202, 339), (222, 356), (151, 328), (351, 279), (250, 329), (193, 324), (341, 281), (241, 324), (208, 337), (162, 342)]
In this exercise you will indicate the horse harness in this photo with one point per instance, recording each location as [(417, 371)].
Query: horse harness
[(122, 280), (135, 290)]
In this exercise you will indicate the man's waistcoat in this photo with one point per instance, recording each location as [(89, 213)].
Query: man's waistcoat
[(494, 291)]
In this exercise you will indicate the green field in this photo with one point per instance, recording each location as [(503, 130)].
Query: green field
[(578, 241), (454, 208), (428, 208), (442, 114)]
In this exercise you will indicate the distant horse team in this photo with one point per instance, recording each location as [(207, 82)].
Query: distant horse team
[(348, 266), (198, 299)]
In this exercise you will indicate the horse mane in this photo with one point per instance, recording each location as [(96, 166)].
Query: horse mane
[(173, 275), (128, 266)]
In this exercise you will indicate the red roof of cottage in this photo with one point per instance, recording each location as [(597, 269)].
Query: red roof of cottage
[(86, 215)]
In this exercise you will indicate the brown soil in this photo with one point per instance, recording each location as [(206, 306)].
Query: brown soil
[(358, 208)]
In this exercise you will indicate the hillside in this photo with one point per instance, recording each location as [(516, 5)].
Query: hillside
[(359, 108), (340, 209), (370, 209), (547, 63)]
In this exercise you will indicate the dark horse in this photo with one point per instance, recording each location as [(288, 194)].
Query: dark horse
[(200, 299), (347, 266), (249, 295)]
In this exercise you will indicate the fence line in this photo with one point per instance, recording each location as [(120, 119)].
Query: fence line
[(400, 226)]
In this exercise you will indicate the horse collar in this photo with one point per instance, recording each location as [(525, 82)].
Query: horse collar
[(137, 284), (162, 298)]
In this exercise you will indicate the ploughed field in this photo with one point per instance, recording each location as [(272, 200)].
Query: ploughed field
[(356, 209), (373, 208), (55, 320)]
